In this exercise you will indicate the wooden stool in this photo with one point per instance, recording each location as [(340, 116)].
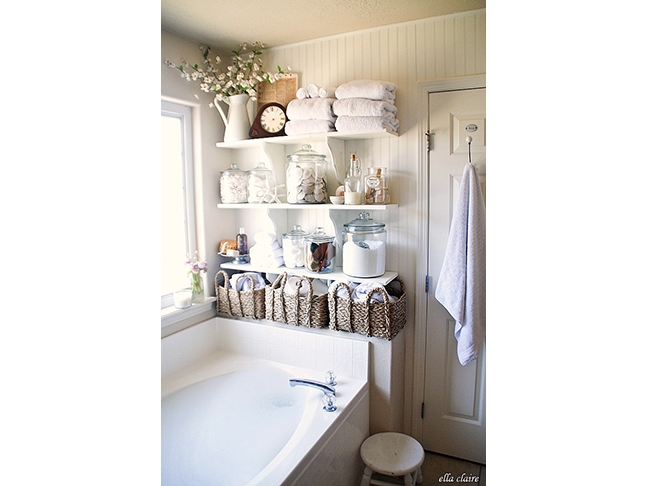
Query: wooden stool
[(392, 454)]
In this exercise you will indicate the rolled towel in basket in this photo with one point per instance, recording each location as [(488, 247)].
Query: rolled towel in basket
[(299, 127), (341, 291), (327, 92), (366, 88), (243, 284), (357, 123), (313, 90), (362, 107), (302, 93), (311, 109), (361, 292)]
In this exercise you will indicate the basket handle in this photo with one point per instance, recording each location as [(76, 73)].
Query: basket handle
[(335, 303), (226, 286), (309, 300), (281, 279), (385, 303), (249, 277)]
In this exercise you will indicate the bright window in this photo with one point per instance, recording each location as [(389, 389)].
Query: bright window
[(177, 192)]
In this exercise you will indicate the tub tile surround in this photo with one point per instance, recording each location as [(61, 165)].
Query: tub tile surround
[(313, 349)]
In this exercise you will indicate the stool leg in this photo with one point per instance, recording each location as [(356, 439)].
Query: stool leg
[(408, 479), (419, 476), (366, 478)]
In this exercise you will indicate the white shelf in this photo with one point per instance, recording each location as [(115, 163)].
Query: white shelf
[(335, 275), (354, 207), (311, 137)]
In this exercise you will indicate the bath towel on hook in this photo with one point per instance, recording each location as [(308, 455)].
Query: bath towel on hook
[(461, 288)]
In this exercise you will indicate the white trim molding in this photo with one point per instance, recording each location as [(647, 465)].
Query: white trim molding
[(420, 329)]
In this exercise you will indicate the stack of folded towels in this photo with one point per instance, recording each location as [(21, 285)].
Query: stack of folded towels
[(311, 112), (266, 253), (365, 105)]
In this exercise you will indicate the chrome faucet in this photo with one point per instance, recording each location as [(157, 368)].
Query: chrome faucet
[(328, 390)]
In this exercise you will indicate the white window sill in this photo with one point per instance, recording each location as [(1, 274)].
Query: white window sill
[(174, 320)]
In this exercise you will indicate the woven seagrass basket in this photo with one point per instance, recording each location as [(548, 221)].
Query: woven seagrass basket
[(380, 319), (299, 310), (234, 302)]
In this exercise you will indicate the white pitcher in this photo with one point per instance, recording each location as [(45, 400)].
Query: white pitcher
[(237, 122)]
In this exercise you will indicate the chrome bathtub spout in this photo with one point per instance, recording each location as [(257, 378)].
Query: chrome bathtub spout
[(328, 390)]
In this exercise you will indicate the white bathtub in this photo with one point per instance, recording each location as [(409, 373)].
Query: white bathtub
[(232, 420)]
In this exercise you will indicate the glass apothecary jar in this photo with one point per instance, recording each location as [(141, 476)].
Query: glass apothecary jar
[(261, 184), (306, 177), (376, 186), (319, 251), (364, 247), (234, 185), (293, 247)]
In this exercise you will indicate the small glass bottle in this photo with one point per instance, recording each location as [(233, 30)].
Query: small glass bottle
[(353, 183), (242, 242), (376, 187)]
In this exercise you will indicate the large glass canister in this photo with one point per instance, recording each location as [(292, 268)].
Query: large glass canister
[(319, 251), (376, 186), (293, 247), (234, 185), (364, 247), (261, 184), (306, 177)]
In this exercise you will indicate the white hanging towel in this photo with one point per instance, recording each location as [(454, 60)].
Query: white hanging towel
[(461, 288)]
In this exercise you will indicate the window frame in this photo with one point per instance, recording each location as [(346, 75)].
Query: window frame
[(185, 114)]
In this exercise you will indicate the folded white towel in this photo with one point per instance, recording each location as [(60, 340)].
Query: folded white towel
[(313, 90), (265, 251), (356, 123), (461, 288), (265, 238), (362, 107), (302, 93), (300, 127), (311, 109), (327, 92), (244, 284), (366, 88)]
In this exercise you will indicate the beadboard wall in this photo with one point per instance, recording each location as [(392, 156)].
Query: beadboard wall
[(405, 54)]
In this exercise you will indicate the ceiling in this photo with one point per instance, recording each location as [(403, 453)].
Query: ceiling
[(224, 24)]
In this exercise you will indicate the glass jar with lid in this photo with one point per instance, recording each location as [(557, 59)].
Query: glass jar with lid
[(261, 184), (319, 251), (293, 247), (364, 247), (234, 185), (376, 186), (306, 177)]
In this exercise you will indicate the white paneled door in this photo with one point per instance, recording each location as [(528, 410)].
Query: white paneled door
[(454, 414)]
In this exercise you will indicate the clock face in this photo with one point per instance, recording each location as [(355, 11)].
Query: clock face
[(273, 119)]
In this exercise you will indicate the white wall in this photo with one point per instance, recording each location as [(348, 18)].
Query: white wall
[(404, 54)]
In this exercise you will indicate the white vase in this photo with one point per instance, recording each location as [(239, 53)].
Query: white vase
[(237, 122)]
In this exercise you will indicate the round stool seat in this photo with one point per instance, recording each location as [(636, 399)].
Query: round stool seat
[(392, 454)]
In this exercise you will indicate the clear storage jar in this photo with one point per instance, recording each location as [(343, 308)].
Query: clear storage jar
[(319, 251), (234, 185), (306, 177), (376, 186), (293, 247), (364, 247), (261, 184)]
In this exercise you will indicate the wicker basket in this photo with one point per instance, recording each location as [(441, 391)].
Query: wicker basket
[(299, 310), (383, 320), (234, 302)]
